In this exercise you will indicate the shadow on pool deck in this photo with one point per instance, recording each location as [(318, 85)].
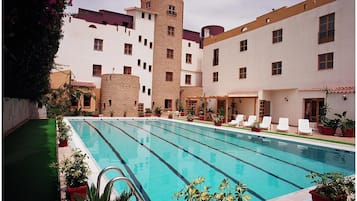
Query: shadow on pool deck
[(27, 153)]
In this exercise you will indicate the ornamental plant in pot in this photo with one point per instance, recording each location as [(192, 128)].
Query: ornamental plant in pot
[(158, 111), (347, 125), (331, 186), (63, 129), (218, 120), (256, 127), (148, 112), (329, 126), (190, 117), (75, 170), (196, 190)]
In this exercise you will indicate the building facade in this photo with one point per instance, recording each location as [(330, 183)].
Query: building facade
[(287, 63)]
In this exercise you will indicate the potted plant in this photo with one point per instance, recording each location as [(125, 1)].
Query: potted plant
[(62, 134), (256, 127), (141, 114), (217, 121), (75, 170), (222, 114), (225, 191), (93, 194), (201, 115), (158, 111), (147, 112), (329, 126), (331, 186), (190, 117), (111, 113), (347, 125)]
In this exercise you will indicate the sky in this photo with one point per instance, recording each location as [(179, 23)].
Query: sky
[(198, 13)]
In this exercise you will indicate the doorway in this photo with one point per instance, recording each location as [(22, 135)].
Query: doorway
[(312, 108)]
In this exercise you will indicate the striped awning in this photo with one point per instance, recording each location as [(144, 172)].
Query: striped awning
[(342, 90)]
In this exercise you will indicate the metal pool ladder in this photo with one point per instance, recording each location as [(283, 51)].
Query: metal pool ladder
[(122, 177)]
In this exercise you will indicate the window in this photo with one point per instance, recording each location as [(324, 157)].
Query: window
[(278, 36), (169, 76), (145, 42), (169, 53), (128, 49), (327, 28), (149, 92), (150, 68), (171, 31), (143, 89), (171, 10), (110, 102), (215, 57), (147, 4), (188, 58), (150, 45), (168, 104), (98, 44), (326, 61), (189, 44), (97, 70), (188, 79), (276, 68), (127, 70), (243, 45), (215, 77), (86, 100), (140, 39), (243, 73), (139, 62), (142, 15), (144, 66), (149, 16)]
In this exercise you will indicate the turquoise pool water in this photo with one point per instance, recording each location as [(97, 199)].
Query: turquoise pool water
[(161, 156)]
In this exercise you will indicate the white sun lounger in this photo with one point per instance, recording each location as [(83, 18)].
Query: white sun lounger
[(237, 121), (283, 124), (266, 122), (304, 127), (251, 120)]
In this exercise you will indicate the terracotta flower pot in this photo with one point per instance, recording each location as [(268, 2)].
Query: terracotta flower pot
[(80, 191), (350, 132), (217, 123), (328, 131), (317, 197), (63, 143), (256, 129)]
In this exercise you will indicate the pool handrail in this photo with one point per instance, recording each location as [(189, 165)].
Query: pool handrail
[(122, 177)]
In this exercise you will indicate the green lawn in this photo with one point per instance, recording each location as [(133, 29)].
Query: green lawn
[(27, 153)]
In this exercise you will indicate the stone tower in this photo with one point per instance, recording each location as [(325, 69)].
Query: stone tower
[(167, 51)]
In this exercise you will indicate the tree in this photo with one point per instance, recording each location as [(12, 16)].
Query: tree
[(32, 30)]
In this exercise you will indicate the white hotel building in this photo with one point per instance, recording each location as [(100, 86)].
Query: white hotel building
[(286, 63)]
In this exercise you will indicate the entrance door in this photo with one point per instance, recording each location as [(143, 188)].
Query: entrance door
[(312, 108)]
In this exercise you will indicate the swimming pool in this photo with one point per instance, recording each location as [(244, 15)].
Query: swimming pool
[(162, 156)]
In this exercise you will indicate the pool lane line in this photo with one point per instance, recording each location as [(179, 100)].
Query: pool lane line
[(246, 148), (127, 168), (195, 156), (154, 153), (239, 159)]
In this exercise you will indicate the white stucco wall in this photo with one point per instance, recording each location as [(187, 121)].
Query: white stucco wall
[(194, 68), (76, 50), (298, 52)]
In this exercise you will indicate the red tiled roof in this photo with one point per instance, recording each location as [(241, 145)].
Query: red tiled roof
[(340, 90), (83, 84), (343, 90)]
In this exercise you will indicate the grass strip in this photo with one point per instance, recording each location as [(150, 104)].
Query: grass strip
[(28, 151)]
